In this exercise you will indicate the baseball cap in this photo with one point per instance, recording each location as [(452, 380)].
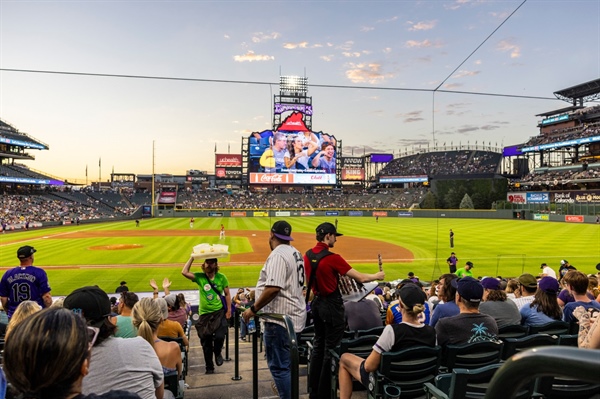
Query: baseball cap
[(543, 265), (282, 230), (412, 295), (549, 284), (564, 262), (123, 283), (25, 252), (327, 228), (527, 280), (490, 283), (470, 264), (91, 303), (171, 298), (468, 288), (164, 309), (598, 267)]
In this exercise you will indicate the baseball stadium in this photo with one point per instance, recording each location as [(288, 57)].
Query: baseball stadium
[(504, 211)]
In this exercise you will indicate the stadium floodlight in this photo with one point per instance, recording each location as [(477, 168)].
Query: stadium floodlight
[(293, 85)]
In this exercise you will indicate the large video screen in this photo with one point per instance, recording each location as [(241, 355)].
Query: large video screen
[(292, 157)]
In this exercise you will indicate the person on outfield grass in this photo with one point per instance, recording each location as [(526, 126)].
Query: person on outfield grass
[(215, 302)]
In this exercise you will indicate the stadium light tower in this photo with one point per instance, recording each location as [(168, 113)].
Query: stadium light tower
[(293, 85), (292, 96)]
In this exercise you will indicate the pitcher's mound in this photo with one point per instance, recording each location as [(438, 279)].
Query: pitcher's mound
[(115, 247)]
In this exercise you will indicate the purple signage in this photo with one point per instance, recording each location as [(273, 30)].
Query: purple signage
[(381, 158)]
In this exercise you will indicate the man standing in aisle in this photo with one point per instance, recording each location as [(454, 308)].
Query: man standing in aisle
[(279, 290), (215, 302), (452, 261), (24, 283), (327, 306)]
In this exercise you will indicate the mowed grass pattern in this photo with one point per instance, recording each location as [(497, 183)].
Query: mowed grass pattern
[(478, 240)]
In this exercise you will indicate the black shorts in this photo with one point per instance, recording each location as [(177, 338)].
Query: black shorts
[(364, 375)]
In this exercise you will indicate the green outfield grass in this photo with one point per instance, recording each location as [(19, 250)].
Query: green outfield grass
[(478, 240)]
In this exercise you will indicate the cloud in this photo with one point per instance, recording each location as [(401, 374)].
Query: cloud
[(261, 37), (462, 74), (467, 129), (291, 46), (478, 62), (235, 122), (411, 142), (383, 21), (424, 25), (425, 59), (457, 4), (387, 50), (317, 45), (452, 85), (366, 29), (250, 56), (348, 54), (226, 36), (413, 116), (327, 58), (422, 44), (370, 73), (507, 45), (347, 46)]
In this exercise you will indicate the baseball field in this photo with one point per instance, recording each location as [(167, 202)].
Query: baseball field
[(104, 254)]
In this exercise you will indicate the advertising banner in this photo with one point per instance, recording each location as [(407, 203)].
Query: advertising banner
[(355, 213), (238, 214), (538, 198), (516, 198), (228, 173), (405, 214), (261, 214), (292, 178), (541, 216), (380, 213), (353, 174), (574, 218), (215, 214), (283, 213), (332, 213), (307, 214), (403, 179), (352, 162), (577, 197), (228, 160)]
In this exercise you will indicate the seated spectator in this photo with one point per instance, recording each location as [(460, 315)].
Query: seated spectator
[(30, 357), (176, 312), (394, 311), (526, 290), (432, 297), (470, 325), (116, 363), (169, 328), (362, 315), (589, 328), (183, 304), (577, 284), (495, 304), (544, 308), (22, 312), (565, 295), (447, 293), (511, 287), (147, 316), (125, 328), (395, 337)]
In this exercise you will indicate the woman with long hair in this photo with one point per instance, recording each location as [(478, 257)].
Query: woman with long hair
[(395, 337), (446, 293), (300, 153), (545, 307), (146, 317), (496, 304), (48, 356), (23, 311)]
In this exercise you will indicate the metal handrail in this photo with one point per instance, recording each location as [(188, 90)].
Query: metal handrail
[(581, 364), (294, 357)]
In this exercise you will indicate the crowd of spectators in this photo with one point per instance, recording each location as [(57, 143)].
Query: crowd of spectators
[(562, 176), (571, 133), (444, 163)]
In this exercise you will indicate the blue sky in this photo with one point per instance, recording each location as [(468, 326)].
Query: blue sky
[(545, 46)]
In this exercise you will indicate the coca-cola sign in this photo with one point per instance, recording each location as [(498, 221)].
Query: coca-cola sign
[(271, 178), (228, 160)]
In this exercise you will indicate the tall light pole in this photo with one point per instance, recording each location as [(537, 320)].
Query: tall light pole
[(152, 204)]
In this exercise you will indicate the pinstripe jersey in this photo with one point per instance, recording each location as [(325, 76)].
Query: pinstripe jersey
[(284, 268)]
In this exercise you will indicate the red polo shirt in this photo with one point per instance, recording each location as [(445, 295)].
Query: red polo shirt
[(327, 272)]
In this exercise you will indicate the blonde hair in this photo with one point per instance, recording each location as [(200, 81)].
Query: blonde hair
[(416, 309), (23, 311), (146, 316)]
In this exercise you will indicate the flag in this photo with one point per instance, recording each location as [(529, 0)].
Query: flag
[(99, 162), (215, 147), (85, 170)]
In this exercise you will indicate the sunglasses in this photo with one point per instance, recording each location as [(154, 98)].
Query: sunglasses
[(92, 336)]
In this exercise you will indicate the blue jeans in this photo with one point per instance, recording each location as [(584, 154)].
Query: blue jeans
[(243, 328), (277, 344)]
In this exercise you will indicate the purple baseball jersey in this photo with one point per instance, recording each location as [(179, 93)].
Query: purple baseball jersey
[(23, 284)]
